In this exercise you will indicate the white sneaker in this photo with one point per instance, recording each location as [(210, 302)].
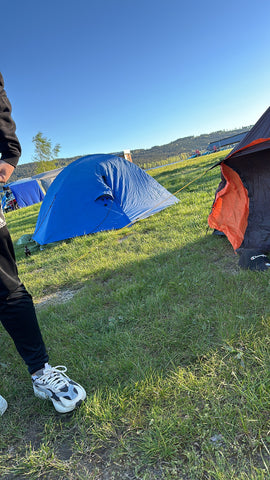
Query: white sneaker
[(52, 383), (3, 405)]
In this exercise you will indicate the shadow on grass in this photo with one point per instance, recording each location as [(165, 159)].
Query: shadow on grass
[(167, 310), (144, 320)]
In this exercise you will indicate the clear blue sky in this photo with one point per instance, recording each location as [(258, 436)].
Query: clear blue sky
[(99, 76)]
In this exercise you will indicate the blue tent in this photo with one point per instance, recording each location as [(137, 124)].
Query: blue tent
[(26, 191), (95, 193)]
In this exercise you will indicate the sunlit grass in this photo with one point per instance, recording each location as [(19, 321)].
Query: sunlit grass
[(170, 339)]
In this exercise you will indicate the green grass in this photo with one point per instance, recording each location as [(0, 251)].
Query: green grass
[(170, 339)]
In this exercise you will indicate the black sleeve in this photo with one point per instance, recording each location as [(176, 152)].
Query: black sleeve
[(10, 147)]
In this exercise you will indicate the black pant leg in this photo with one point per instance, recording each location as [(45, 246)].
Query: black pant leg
[(18, 317), (17, 312), (9, 280)]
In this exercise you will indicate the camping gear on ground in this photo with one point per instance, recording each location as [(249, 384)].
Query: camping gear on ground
[(96, 193), (26, 242), (8, 201), (241, 206)]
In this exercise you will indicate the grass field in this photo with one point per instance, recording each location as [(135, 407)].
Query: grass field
[(169, 338)]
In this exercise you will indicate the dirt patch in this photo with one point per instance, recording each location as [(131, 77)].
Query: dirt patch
[(56, 298)]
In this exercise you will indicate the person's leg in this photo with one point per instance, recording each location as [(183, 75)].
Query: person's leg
[(18, 316), (17, 312)]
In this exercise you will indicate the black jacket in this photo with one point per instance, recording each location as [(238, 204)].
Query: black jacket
[(10, 147)]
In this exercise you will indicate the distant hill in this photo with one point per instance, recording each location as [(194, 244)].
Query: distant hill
[(142, 157), (182, 145)]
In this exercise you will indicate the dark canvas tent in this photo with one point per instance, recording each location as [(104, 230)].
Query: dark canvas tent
[(95, 193), (241, 205)]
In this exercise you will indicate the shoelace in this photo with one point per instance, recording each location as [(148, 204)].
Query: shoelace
[(55, 376)]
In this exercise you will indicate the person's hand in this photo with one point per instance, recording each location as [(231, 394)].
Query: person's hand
[(5, 171)]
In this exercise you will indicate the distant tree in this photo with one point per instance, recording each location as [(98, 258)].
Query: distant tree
[(45, 153)]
